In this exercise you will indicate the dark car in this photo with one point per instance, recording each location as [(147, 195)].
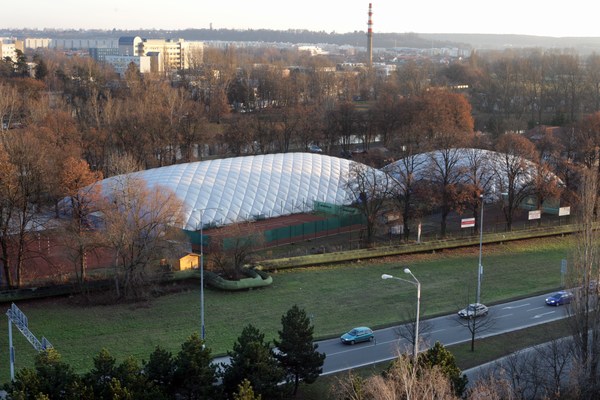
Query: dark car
[(345, 154), (560, 298), (313, 148), (359, 334)]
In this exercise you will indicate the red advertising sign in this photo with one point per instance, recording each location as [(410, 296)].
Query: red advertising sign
[(467, 222)]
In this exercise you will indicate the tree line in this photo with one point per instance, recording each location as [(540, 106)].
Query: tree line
[(76, 113)]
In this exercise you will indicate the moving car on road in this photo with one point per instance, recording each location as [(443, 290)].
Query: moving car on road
[(359, 334), (560, 298), (473, 310)]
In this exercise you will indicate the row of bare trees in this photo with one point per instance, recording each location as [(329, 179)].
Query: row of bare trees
[(453, 179), (163, 122), (39, 180)]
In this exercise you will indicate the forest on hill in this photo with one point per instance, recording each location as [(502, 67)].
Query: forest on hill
[(585, 45)]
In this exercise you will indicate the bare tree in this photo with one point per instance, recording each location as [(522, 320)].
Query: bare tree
[(445, 172), (22, 185), (476, 324), (584, 276), (524, 373), (141, 228), (369, 188), (540, 372), (555, 359), (407, 331), (494, 386), (478, 180), (231, 249), (8, 105), (386, 114), (238, 135), (513, 169), (404, 186), (76, 183), (413, 79), (402, 380), (117, 164)]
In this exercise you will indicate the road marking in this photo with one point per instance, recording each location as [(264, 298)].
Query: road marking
[(439, 330), (354, 348), (541, 315), (357, 346), (503, 316), (511, 307), (537, 308)]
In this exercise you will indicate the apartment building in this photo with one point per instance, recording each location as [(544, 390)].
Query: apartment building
[(165, 54), (121, 63), (174, 53), (37, 43), (9, 47)]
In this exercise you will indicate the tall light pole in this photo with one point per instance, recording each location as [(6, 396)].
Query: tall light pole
[(202, 327), (480, 267), (418, 285)]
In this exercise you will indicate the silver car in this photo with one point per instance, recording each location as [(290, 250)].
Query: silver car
[(473, 310)]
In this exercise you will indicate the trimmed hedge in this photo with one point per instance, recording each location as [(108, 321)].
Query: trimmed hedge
[(255, 279)]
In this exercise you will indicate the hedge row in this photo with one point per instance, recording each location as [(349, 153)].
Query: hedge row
[(255, 279)]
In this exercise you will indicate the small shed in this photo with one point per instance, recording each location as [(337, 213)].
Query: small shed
[(188, 261)]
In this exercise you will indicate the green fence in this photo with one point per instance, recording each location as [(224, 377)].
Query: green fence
[(313, 228), (334, 209), (196, 238), (340, 218)]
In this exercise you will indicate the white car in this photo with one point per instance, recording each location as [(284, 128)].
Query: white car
[(473, 310)]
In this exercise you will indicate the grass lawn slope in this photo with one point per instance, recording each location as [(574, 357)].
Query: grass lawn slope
[(336, 297)]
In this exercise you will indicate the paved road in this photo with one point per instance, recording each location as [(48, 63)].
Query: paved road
[(447, 330)]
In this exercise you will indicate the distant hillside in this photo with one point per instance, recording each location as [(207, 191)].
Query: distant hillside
[(487, 41), (358, 38)]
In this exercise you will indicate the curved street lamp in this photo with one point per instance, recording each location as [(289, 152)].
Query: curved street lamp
[(418, 285)]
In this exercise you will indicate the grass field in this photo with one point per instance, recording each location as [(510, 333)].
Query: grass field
[(336, 297)]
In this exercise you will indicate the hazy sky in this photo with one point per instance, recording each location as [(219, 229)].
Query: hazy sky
[(531, 17)]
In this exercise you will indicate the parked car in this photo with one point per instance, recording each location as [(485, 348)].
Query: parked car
[(560, 298), (359, 334), (358, 150), (473, 310), (313, 148), (345, 154)]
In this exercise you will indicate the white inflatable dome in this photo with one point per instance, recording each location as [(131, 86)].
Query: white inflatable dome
[(231, 190)]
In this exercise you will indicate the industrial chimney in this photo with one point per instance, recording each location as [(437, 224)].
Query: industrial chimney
[(370, 37)]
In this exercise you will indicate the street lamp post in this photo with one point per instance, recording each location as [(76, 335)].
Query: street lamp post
[(480, 267), (418, 285), (202, 327)]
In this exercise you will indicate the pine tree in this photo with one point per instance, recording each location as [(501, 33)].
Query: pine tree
[(439, 356), (253, 359), (195, 375), (297, 354)]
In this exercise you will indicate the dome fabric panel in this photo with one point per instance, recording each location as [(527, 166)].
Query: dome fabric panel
[(231, 190)]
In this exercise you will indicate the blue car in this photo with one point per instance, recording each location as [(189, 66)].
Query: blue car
[(359, 334), (560, 298)]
